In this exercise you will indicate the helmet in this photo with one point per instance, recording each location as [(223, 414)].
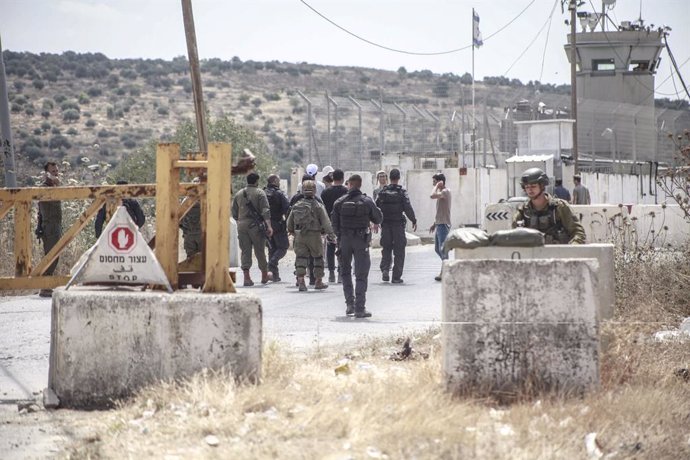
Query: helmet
[(312, 169), (309, 188), (534, 176)]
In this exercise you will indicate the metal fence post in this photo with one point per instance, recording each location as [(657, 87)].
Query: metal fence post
[(310, 133), (359, 116)]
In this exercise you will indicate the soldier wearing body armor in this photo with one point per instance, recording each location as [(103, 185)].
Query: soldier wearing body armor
[(279, 205), (551, 216), (352, 215), (250, 210), (394, 202), (308, 220)]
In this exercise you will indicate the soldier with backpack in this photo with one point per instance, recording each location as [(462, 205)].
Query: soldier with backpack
[(394, 202), (307, 221)]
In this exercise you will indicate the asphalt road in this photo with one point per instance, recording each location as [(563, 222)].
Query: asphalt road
[(298, 320)]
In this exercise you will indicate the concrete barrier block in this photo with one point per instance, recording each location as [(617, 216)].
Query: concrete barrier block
[(105, 344), (509, 324), (606, 292)]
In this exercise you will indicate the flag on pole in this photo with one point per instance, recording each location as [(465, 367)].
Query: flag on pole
[(476, 34)]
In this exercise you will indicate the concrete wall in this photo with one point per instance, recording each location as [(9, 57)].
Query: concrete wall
[(656, 225), (105, 344), (511, 324), (606, 292)]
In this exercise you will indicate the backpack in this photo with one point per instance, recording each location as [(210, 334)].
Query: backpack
[(305, 216)]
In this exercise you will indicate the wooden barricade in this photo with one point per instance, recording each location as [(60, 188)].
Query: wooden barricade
[(214, 194)]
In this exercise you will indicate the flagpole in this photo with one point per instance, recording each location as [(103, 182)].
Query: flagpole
[(474, 127)]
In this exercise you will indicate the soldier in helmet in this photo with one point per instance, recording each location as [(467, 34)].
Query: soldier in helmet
[(551, 216), (307, 221)]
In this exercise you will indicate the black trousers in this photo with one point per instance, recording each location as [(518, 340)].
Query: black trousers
[(355, 248), (393, 244)]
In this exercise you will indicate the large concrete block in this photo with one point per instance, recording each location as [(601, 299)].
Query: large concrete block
[(515, 323), (105, 344), (606, 292)]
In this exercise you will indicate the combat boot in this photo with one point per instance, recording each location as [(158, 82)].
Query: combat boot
[(350, 310), (265, 277), (363, 313), (247, 278), (331, 276), (320, 284), (385, 276), (301, 284)]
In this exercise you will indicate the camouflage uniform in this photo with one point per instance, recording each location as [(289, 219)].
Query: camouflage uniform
[(191, 230), (49, 228), (557, 221), (248, 232), (307, 221)]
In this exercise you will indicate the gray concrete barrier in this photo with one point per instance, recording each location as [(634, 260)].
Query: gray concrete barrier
[(511, 324), (105, 343), (606, 292)]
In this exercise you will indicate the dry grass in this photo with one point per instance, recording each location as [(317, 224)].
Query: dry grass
[(390, 409)]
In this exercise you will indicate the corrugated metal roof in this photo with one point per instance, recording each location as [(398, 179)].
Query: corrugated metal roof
[(529, 158)]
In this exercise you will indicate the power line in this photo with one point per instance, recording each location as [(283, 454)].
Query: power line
[(548, 32), (548, 21), (414, 53)]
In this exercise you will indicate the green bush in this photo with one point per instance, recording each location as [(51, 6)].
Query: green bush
[(38, 84), (94, 92), (72, 131), (90, 123), (70, 115)]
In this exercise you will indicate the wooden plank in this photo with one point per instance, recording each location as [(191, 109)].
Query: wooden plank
[(167, 180), (69, 235), (5, 208), (22, 238), (218, 219), (33, 282), (191, 164), (10, 195)]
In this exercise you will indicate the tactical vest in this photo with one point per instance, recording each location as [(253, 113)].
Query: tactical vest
[(274, 203), (354, 213), (546, 221), (304, 212), (391, 202)]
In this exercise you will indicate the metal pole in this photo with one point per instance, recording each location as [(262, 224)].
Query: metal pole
[(404, 115), (573, 78), (485, 121), (6, 130), (328, 126), (310, 134), (382, 139), (419, 112), (437, 125), (330, 100), (193, 54), (361, 144), (474, 126)]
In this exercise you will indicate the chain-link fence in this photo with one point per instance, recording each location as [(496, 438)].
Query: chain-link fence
[(352, 133)]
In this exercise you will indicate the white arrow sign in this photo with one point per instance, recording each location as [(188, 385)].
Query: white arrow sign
[(120, 256)]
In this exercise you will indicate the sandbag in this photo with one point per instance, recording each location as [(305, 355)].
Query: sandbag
[(466, 238), (522, 237)]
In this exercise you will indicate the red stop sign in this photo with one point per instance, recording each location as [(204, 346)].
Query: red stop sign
[(121, 239)]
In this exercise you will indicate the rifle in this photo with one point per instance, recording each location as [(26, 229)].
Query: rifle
[(260, 222)]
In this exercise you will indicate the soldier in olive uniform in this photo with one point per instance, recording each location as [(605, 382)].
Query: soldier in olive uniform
[(191, 230), (551, 216), (352, 214), (49, 228), (308, 220), (279, 205), (252, 213), (393, 202)]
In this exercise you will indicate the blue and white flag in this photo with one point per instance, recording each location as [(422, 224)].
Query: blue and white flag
[(476, 34)]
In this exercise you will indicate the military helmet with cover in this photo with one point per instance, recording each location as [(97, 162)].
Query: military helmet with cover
[(309, 188), (534, 176)]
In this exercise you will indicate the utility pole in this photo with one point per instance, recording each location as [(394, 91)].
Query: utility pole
[(5, 129), (572, 6), (193, 54)]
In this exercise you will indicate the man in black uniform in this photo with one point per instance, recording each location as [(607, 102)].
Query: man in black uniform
[(278, 204), (329, 196), (49, 228), (393, 202), (352, 214)]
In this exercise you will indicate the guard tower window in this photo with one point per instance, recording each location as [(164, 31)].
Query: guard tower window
[(603, 65), (638, 66)]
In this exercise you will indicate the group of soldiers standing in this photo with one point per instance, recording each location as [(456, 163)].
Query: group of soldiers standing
[(324, 218)]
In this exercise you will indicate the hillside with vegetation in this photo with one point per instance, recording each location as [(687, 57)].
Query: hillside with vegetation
[(86, 107)]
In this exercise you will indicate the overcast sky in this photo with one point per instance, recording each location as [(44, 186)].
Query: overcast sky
[(287, 30)]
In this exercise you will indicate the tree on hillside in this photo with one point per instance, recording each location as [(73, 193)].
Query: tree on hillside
[(140, 167)]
